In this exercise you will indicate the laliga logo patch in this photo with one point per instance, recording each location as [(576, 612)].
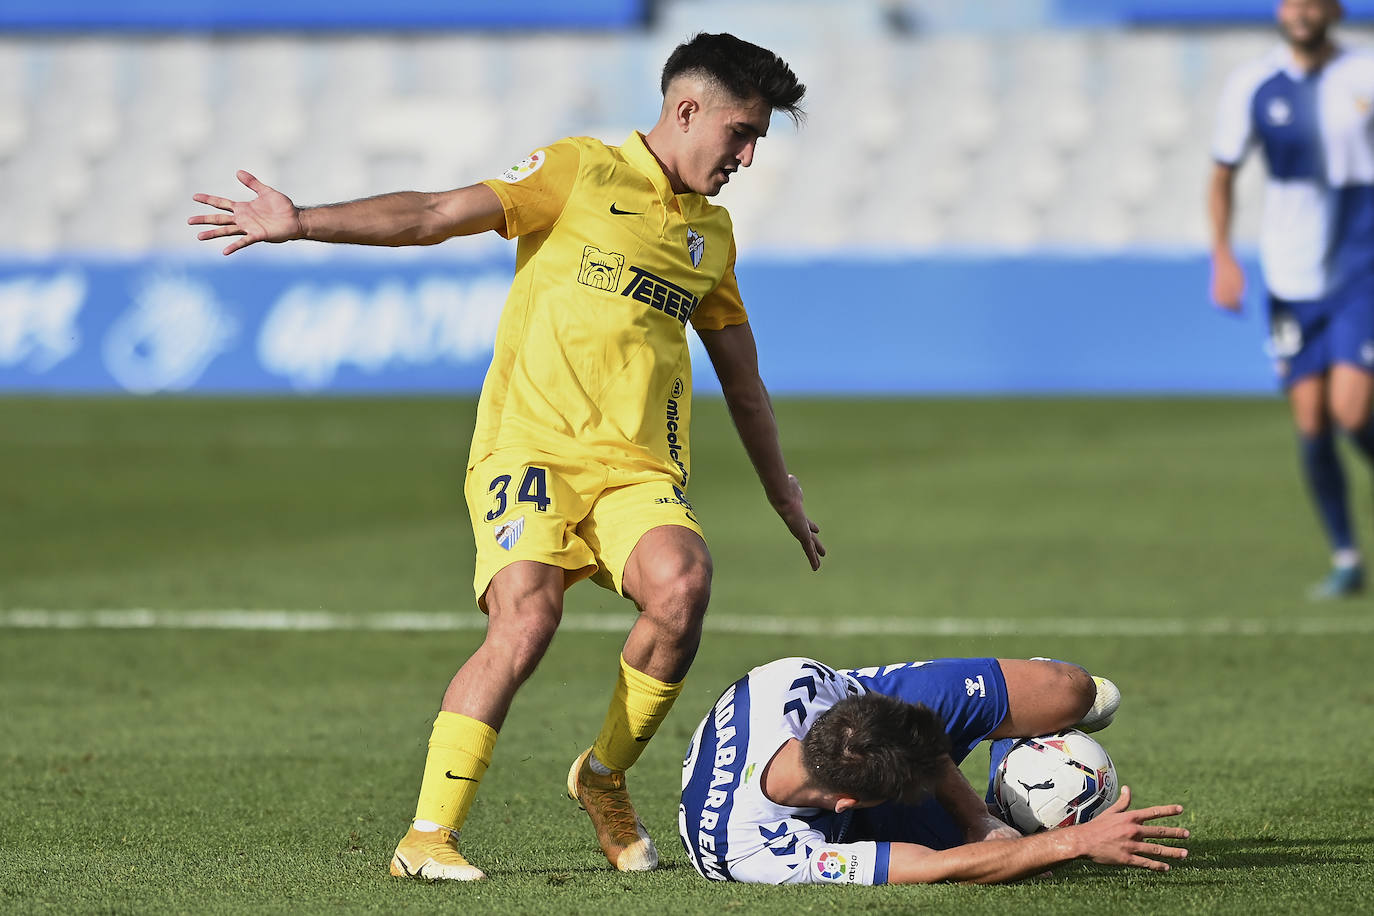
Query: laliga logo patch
[(1279, 112), (525, 167), (831, 865), (696, 246), (507, 533)]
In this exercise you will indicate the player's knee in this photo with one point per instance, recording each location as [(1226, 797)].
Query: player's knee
[(1068, 691), (1079, 691), (681, 585), (1350, 419)]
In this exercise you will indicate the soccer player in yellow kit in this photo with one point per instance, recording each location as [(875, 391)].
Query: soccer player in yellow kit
[(580, 457)]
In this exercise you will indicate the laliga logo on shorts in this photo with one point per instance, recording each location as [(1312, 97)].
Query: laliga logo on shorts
[(831, 866)]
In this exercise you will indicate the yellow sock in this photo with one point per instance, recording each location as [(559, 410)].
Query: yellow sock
[(638, 707), (459, 751)]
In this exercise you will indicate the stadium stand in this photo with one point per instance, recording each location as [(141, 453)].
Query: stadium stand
[(1011, 189), (1003, 137), (1092, 138)]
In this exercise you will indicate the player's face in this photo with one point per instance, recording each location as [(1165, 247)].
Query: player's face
[(1304, 23), (722, 141)]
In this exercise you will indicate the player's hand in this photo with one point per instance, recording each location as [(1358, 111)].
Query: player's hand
[(269, 217), (1119, 836), (803, 529), (1228, 281)]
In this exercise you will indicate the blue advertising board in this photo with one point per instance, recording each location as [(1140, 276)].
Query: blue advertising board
[(937, 325)]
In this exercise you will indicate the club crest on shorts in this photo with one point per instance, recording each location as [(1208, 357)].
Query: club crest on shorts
[(696, 246), (507, 533)]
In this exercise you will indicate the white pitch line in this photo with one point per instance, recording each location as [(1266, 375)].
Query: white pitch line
[(747, 624)]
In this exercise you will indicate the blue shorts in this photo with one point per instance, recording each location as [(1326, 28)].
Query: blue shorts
[(970, 694), (1308, 338)]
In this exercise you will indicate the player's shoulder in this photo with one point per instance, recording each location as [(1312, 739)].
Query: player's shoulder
[(1357, 58), (603, 162), (1250, 75), (591, 145), (799, 674), (782, 666)]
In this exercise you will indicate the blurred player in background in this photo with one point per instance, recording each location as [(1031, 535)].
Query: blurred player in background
[(579, 461), (1308, 106), (801, 774)]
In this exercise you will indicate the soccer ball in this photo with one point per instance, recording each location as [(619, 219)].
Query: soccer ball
[(1054, 781)]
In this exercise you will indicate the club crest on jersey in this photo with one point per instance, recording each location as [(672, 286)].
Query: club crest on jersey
[(507, 533), (696, 246), (600, 269), (525, 167), (1279, 112)]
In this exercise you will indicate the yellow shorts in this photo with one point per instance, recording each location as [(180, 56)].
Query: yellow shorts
[(582, 516)]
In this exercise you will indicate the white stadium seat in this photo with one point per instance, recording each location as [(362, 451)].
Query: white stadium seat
[(1004, 140)]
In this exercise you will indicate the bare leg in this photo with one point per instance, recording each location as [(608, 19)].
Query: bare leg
[(525, 604), (1307, 400), (1043, 696), (668, 576), (1351, 395)]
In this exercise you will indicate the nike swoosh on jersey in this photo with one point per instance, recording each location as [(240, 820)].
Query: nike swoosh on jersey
[(619, 212), (449, 774)]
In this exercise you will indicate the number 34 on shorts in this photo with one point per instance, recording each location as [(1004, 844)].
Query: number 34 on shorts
[(583, 516), (533, 489), (511, 503)]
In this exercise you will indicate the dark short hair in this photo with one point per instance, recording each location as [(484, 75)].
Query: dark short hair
[(876, 748), (744, 70)]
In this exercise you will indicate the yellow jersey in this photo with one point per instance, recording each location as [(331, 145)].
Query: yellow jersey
[(591, 357)]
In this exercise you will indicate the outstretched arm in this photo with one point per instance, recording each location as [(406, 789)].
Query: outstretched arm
[(402, 218), (1117, 836), (736, 360)]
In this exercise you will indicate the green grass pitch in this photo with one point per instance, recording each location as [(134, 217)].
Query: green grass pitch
[(1164, 543)]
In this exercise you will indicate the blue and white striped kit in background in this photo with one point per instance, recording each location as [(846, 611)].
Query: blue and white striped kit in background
[(1314, 130)]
